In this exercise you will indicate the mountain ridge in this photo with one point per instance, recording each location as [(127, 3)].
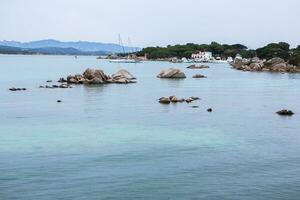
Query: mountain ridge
[(48, 51), (84, 46)]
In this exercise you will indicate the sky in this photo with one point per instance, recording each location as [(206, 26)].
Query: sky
[(152, 22)]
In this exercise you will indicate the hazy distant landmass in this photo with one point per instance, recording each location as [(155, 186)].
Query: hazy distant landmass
[(58, 47)]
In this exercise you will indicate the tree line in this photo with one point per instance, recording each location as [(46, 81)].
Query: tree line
[(281, 49)]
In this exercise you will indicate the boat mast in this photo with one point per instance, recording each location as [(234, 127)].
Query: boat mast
[(121, 43)]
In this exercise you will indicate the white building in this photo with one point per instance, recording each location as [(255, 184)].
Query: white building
[(202, 56)]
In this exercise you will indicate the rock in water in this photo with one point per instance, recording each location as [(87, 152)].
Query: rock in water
[(237, 63), (16, 89), (123, 73), (62, 80), (198, 67), (90, 74), (199, 76), (13, 89), (285, 112), (171, 73), (164, 100), (97, 76)]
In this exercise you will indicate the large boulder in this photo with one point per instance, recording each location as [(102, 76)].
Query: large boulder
[(256, 60), (164, 100), (123, 73), (280, 67), (274, 61), (171, 73), (90, 74), (255, 66), (237, 63)]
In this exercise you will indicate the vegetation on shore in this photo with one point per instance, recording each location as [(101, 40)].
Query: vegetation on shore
[(269, 51)]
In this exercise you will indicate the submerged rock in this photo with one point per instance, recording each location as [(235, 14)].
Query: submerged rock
[(62, 80), (171, 73), (198, 67), (164, 100), (63, 85), (199, 76), (195, 98), (16, 89), (174, 99), (209, 110), (285, 112)]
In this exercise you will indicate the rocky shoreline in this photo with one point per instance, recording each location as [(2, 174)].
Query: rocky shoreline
[(257, 65)]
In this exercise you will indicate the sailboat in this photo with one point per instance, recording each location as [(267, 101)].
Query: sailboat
[(127, 59)]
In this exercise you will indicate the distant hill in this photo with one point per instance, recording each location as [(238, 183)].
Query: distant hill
[(82, 46), (48, 51)]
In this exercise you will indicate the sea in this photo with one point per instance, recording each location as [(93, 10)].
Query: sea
[(117, 141)]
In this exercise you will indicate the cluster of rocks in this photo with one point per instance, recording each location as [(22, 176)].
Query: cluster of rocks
[(198, 67), (17, 89), (255, 64), (285, 112), (199, 76), (97, 76), (174, 73), (171, 73), (63, 85), (174, 99)]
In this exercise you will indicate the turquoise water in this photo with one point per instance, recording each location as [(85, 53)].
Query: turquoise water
[(118, 142)]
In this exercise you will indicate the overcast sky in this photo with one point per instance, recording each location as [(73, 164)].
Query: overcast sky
[(152, 22)]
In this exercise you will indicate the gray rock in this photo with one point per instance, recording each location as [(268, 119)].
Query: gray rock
[(255, 66), (198, 67), (237, 63), (209, 110), (274, 61), (123, 73), (17, 89), (285, 112), (164, 100), (199, 76), (171, 73)]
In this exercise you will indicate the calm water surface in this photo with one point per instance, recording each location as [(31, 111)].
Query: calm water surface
[(118, 142)]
